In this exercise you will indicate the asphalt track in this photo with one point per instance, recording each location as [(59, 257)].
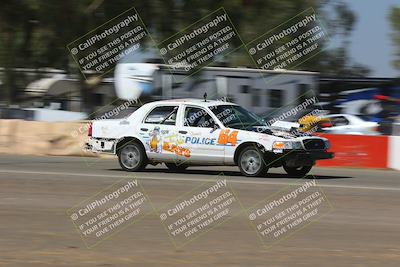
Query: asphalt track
[(362, 229)]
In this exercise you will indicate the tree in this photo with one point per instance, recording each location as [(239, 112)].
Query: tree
[(34, 33), (340, 20), (15, 33), (394, 19)]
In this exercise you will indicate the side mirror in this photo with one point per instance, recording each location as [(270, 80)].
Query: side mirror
[(214, 128)]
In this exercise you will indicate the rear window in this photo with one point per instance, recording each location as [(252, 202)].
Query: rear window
[(162, 115)]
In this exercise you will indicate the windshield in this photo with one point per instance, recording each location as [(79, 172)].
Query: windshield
[(236, 117)]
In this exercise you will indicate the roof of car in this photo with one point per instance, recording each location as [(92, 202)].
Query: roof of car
[(197, 101)]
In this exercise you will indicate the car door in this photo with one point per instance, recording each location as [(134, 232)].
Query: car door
[(158, 129), (199, 130)]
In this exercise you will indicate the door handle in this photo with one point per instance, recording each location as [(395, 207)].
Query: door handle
[(144, 129), (183, 132)]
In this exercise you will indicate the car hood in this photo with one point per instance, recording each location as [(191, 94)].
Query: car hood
[(278, 132)]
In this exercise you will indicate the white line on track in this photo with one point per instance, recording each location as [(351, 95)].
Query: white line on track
[(236, 180)]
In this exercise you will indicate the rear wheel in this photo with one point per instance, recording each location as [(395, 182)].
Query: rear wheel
[(251, 162), (132, 157), (297, 171), (176, 168)]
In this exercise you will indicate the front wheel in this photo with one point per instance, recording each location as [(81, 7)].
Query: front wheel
[(297, 171), (132, 157), (251, 162)]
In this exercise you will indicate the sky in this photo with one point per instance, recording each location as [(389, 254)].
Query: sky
[(370, 41)]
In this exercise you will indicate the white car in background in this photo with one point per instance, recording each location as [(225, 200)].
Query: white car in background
[(187, 132), (349, 124)]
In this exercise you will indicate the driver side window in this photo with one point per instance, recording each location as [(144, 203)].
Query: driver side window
[(198, 117)]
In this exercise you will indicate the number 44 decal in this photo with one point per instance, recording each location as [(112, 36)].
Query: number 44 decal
[(225, 137)]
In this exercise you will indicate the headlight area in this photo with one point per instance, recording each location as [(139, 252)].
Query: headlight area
[(279, 146)]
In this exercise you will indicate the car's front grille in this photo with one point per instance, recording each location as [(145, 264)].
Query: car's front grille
[(314, 144)]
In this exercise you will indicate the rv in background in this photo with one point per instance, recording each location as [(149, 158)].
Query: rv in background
[(260, 91)]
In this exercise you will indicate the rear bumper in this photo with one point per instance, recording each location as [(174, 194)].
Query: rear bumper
[(306, 158), (100, 145)]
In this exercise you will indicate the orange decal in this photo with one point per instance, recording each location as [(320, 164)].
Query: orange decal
[(186, 153), (166, 146), (178, 150), (225, 137)]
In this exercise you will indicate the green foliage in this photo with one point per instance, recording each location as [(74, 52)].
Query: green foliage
[(34, 33), (394, 19)]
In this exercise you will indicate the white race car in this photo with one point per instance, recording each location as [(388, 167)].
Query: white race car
[(350, 124), (186, 132)]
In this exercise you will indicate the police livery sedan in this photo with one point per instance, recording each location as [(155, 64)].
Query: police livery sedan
[(189, 132)]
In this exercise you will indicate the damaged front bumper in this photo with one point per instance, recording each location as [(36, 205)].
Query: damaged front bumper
[(305, 158)]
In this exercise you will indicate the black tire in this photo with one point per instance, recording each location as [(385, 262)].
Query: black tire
[(251, 162), (297, 171), (132, 157), (176, 168)]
